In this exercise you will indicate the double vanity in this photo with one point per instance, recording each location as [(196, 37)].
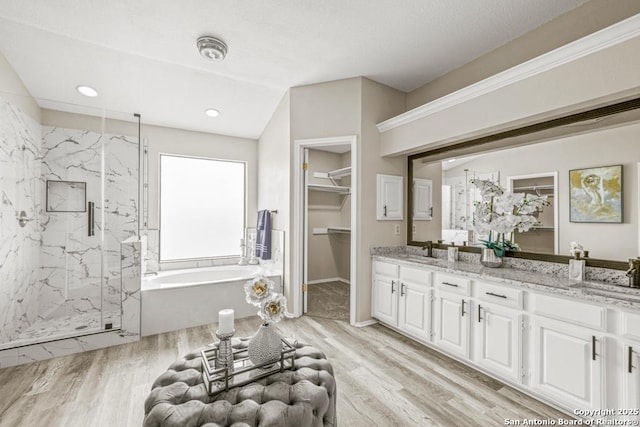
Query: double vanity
[(574, 345)]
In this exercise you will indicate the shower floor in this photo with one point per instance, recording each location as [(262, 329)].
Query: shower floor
[(64, 327)]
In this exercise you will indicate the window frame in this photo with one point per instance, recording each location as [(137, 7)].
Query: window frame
[(244, 206)]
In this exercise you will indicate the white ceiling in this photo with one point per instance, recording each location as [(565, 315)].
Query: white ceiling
[(141, 55)]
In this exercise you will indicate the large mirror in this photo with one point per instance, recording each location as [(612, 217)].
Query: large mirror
[(587, 170)]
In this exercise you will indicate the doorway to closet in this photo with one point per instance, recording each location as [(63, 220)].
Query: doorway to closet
[(325, 221)]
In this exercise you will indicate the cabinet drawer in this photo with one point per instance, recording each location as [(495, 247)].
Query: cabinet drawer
[(458, 285), (631, 325), (415, 275), (578, 313), (498, 294), (385, 268)]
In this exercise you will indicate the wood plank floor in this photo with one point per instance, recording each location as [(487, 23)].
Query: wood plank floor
[(383, 379)]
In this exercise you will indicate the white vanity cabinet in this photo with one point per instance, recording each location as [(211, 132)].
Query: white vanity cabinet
[(570, 352), (631, 375), (453, 315), (402, 297), (384, 306), (630, 357), (567, 351), (415, 302), (499, 325), (389, 201)]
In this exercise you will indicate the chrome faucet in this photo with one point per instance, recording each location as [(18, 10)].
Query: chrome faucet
[(429, 247), (633, 273)]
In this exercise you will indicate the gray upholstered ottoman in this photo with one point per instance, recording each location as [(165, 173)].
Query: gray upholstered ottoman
[(299, 398)]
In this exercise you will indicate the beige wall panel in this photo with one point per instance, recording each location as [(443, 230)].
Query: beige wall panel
[(379, 103), (577, 23), (274, 179)]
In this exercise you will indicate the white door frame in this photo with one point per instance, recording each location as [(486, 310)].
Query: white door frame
[(556, 209), (298, 211)]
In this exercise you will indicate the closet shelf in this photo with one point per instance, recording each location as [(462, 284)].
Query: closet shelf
[(339, 173), (338, 230), (332, 230), (329, 188)]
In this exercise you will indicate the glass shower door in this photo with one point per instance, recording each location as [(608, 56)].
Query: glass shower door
[(73, 172)]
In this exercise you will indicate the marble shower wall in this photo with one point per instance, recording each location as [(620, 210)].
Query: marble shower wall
[(20, 190), (51, 268), (74, 264)]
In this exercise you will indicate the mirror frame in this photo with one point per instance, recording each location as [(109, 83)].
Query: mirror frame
[(484, 144)]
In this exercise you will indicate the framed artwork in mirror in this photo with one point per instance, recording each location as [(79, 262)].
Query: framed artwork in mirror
[(595, 194), (66, 196)]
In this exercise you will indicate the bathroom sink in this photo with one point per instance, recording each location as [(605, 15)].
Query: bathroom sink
[(421, 259), (609, 291)]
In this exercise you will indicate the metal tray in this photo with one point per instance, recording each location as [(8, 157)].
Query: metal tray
[(243, 370)]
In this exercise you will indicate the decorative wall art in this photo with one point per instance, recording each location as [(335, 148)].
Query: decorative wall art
[(595, 194)]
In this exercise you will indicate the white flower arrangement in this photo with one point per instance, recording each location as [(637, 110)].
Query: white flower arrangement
[(272, 305), (502, 212)]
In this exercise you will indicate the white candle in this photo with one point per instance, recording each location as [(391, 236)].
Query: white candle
[(225, 321)]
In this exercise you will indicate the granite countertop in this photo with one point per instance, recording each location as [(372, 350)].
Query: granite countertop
[(595, 291)]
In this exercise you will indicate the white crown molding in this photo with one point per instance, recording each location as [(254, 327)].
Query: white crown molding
[(600, 40)]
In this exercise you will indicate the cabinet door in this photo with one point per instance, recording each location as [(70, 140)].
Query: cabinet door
[(631, 376), (414, 315), (389, 198), (385, 300), (452, 323), (498, 340), (422, 199), (567, 364)]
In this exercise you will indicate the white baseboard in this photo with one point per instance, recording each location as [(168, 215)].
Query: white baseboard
[(365, 323), (329, 279)]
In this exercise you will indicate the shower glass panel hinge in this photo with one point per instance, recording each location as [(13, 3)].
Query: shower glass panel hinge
[(304, 287), (305, 166)]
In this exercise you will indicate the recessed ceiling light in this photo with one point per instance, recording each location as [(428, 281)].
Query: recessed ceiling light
[(451, 160), (212, 112), (87, 91)]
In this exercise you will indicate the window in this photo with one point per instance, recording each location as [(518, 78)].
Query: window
[(202, 207)]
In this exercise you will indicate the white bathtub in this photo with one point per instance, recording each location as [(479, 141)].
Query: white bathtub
[(178, 299)]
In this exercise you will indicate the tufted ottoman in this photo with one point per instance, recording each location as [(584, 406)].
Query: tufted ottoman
[(303, 397)]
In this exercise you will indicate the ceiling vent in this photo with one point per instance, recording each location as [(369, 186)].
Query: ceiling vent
[(212, 48)]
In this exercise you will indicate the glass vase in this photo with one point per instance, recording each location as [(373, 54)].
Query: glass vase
[(488, 258), (265, 346)]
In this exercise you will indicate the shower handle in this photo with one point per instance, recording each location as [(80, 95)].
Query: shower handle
[(91, 217), (22, 218)]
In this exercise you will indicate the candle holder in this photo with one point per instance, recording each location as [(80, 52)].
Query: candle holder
[(225, 352)]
